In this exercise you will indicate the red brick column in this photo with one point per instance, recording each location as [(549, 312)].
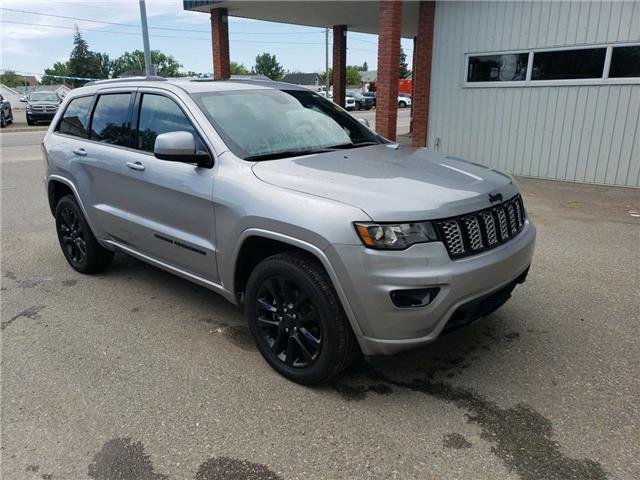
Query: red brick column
[(220, 44), (422, 73), (339, 63), (389, 26)]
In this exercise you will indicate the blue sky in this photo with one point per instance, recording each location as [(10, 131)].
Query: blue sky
[(31, 43)]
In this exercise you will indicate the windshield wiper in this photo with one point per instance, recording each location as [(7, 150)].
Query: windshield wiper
[(286, 154), (352, 145)]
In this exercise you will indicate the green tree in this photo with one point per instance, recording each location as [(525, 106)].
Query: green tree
[(83, 62), (12, 79), (105, 64), (239, 69), (267, 65), (52, 76), (354, 75), (166, 65), (365, 67), (404, 67)]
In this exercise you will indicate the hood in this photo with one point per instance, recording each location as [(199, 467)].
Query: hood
[(391, 183), (43, 102)]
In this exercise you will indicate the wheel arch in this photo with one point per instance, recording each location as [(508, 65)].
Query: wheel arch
[(254, 245)]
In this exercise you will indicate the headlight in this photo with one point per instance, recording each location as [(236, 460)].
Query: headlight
[(397, 236), (29, 108)]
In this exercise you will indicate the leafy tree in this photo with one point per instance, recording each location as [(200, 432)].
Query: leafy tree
[(166, 65), (239, 69), (83, 62), (267, 65), (11, 79), (354, 75), (404, 67), (105, 64), (365, 67), (52, 76)]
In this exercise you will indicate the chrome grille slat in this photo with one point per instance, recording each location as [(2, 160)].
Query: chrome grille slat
[(486, 229)]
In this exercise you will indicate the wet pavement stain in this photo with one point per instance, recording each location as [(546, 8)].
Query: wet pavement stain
[(32, 468), (31, 313), (521, 437), (359, 392), (512, 336), (69, 283), (122, 459), (46, 476), (456, 441), (225, 468), (238, 335)]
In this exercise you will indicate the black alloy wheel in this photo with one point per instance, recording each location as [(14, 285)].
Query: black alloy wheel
[(289, 322), (72, 236)]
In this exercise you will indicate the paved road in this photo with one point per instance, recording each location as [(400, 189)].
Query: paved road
[(404, 119), (136, 374)]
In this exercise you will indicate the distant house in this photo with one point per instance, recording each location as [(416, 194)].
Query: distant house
[(312, 81)]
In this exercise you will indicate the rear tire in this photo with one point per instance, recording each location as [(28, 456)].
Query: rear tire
[(3, 121), (79, 246), (297, 320)]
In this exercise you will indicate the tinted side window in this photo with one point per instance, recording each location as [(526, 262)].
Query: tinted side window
[(159, 114), (75, 120), (110, 122), (568, 64), (625, 62), (498, 68)]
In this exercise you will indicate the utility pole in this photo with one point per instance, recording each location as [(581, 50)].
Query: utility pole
[(148, 66), (326, 62)]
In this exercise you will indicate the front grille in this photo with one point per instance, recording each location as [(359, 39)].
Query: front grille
[(44, 108), (478, 231)]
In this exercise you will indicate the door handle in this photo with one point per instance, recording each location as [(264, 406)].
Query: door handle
[(80, 151), (135, 166)]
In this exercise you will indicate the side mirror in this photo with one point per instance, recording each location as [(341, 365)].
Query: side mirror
[(365, 122), (23, 99), (180, 147)]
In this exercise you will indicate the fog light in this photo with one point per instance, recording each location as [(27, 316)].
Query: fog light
[(419, 297)]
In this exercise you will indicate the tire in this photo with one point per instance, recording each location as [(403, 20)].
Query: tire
[(402, 104), (30, 122), (79, 246), (3, 121), (296, 319)]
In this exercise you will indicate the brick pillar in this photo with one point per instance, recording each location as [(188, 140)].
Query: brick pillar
[(422, 72), (220, 44), (339, 64), (413, 84), (389, 27)]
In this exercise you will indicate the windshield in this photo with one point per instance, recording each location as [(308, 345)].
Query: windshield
[(43, 97), (268, 124)]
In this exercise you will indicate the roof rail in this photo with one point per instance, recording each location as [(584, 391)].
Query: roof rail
[(127, 79)]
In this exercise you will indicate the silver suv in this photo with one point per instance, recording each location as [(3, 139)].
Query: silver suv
[(337, 241)]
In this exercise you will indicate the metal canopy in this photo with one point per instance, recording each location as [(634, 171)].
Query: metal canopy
[(356, 15)]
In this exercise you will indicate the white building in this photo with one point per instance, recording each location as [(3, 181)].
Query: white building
[(542, 89)]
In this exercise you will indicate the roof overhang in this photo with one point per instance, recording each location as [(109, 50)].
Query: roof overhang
[(358, 16)]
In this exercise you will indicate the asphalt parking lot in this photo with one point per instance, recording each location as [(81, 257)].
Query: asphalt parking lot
[(137, 374)]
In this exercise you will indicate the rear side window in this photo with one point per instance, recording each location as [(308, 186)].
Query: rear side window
[(75, 120), (159, 114), (110, 122)]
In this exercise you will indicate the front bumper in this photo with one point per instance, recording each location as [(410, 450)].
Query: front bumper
[(41, 116), (368, 277)]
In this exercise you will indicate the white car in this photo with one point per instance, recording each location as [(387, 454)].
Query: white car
[(349, 103), (404, 100)]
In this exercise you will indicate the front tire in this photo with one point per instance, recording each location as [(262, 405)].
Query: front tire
[(296, 319), (3, 121), (402, 104), (79, 246), (30, 122)]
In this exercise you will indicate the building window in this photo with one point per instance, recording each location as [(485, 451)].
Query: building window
[(568, 64), (592, 65), (508, 67), (625, 62)]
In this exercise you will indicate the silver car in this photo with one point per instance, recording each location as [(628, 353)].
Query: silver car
[(337, 241)]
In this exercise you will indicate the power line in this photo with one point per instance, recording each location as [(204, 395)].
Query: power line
[(155, 28)]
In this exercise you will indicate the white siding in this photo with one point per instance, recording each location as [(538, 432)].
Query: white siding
[(578, 133)]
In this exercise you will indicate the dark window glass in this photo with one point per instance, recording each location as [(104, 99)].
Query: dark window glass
[(110, 123), (498, 68), (568, 64), (75, 120), (625, 62), (158, 115)]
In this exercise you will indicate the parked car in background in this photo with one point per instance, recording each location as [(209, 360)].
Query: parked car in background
[(355, 244), (41, 106), (349, 103), (362, 102), (371, 95), (6, 114), (404, 100)]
